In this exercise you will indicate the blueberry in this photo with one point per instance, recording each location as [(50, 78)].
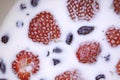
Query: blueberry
[(3, 79), (84, 30), (22, 6), (5, 39), (48, 53), (100, 76), (2, 66), (56, 61), (69, 38), (107, 58), (34, 3), (57, 50), (19, 24)]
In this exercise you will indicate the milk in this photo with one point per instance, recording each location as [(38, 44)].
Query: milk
[(19, 41)]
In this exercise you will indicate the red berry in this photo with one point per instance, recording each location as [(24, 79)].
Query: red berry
[(69, 75), (82, 9), (118, 68), (25, 65), (43, 28), (88, 52), (116, 6), (113, 36)]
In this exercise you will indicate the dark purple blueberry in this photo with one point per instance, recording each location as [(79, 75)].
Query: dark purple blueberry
[(5, 39), (69, 38), (3, 79), (57, 50), (27, 14), (100, 76), (22, 6), (19, 24), (42, 79), (107, 58), (56, 61), (2, 66), (84, 30), (34, 3), (48, 53)]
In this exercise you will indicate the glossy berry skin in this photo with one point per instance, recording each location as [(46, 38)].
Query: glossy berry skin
[(88, 52), (118, 68), (82, 9), (43, 28), (113, 36), (69, 75), (26, 64), (116, 6)]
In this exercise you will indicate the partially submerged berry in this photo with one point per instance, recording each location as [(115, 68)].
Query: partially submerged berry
[(88, 52), (5, 39), (113, 36), (3, 79), (100, 76), (107, 58), (82, 9), (57, 50), (23, 6), (69, 38), (56, 61), (118, 68), (26, 64), (69, 75), (43, 28), (2, 66), (116, 6), (84, 30), (34, 3), (19, 24)]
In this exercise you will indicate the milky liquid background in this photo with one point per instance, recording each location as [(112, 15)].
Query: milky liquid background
[(19, 41)]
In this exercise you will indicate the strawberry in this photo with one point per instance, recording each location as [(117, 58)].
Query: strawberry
[(113, 36), (82, 9), (118, 68), (43, 28), (88, 52), (69, 75), (25, 65), (116, 6)]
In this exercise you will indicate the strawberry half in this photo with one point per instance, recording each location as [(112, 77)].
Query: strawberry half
[(69, 75), (116, 6), (82, 9), (43, 28), (118, 68), (25, 65), (113, 36), (88, 52)]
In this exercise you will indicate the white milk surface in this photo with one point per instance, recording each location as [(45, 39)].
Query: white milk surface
[(18, 40)]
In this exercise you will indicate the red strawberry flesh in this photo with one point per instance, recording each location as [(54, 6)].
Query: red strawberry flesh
[(88, 52), (82, 9), (26, 64), (43, 28), (113, 36), (118, 68), (116, 5), (69, 75)]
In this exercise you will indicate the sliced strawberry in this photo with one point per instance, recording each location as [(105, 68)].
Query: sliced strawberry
[(113, 36), (116, 6), (25, 65), (118, 68), (82, 9), (43, 28), (69, 75), (88, 52)]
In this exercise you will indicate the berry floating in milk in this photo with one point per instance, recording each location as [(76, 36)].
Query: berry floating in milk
[(61, 40)]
